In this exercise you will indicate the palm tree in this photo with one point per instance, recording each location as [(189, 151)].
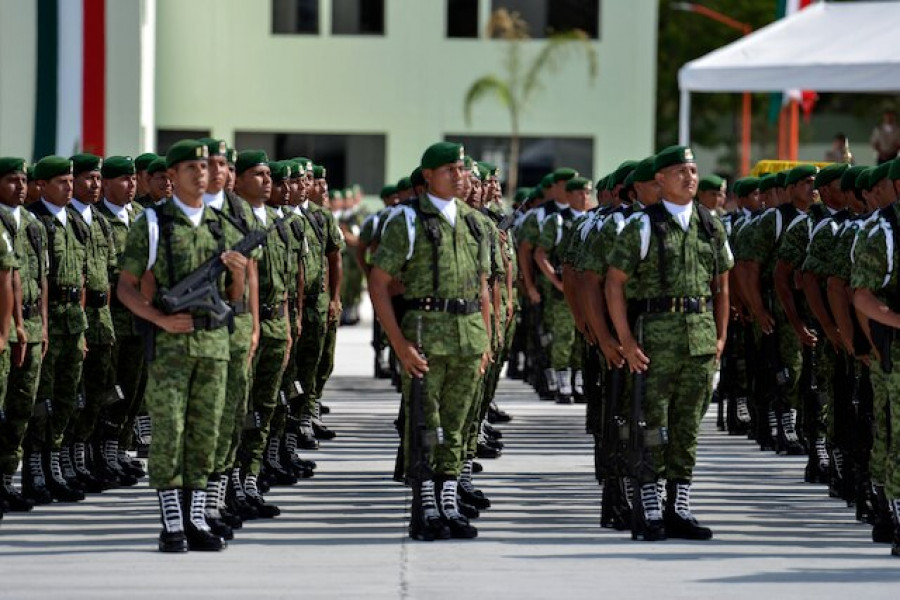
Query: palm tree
[(518, 85)]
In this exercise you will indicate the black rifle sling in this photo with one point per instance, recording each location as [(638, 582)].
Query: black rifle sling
[(46, 217), (432, 228), (166, 222), (33, 231), (10, 224), (659, 226)]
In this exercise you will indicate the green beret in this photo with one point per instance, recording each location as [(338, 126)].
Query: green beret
[(799, 173), (880, 172), (673, 155), (643, 171), (117, 166), (482, 171), (336, 194), (319, 172), (158, 164), (416, 177), (280, 169), (231, 155), (403, 185), (442, 153), (710, 183), (183, 150), (601, 183), (468, 162), (388, 190), (83, 163), (579, 183), (547, 180), (629, 182), (12, 164), (564, 174), (52, 166), (492, 169), (522, 195), (537, 192), (297, 170), (745, 186), (622, 171), (848, 179), (248, 159), (29, 172), (143, 161), (829, 174), (215, 147), (610, 182), (768, 182), (781, 178), (864, 179), (894, 169), (305, 164)]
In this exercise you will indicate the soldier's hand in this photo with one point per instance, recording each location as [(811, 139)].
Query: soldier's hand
[(177, 323), (413, 362), (486, 359), (254, 344), (806, 337), (720, 348), (45, 343), (834, 337), (534, 296), (234, 262), (19, 351), (612, 352), (638, 362), (847, 342), (765, 321), (334, 310)]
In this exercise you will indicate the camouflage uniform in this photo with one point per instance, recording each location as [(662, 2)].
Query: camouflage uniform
[(9, 261), (186, 380), (452, 343)]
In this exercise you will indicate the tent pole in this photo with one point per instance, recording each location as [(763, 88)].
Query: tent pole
[(684, 119), (745, 136), (794, 140)]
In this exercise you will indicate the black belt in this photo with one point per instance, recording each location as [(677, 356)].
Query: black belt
[(96, 299), (60, 294), (268, 312), (207, 323), (31, 310), (454, 306), (688, 305), (313, 297), (239, 308)]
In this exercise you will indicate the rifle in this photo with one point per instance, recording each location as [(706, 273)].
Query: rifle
[(420, 442)]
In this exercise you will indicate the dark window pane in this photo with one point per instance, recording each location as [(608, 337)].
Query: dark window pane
[(357, 17), (565, 15), (295, 16), (462, 18), (166, 137), (533, 12)]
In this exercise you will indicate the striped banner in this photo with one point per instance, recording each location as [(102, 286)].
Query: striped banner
[(71, 77)]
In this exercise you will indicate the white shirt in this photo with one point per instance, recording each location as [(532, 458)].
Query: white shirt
[(16, 213), (57, 211), (561, 206), (447, 208), (194, 214), (260, 214), (304, 205), (681, 212), (83, 209), (121, 212), (216, 200)]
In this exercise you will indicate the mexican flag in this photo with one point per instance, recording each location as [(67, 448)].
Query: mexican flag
[(806, 98)]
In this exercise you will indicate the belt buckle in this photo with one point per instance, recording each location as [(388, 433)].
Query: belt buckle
[(673, 306), (461, 305)]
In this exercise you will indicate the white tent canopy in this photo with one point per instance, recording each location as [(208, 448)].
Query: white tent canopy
[(827, 47)]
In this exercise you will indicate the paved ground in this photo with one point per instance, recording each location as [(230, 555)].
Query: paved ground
[(342, 533)]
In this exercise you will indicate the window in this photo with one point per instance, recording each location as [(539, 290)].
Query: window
[(545, 17), (295, 16), (166, 137), (348, 159), (357, 17), (537, 155), (462, 18)]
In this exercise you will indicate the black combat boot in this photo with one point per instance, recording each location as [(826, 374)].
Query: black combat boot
[(564, 386), (172, 537), (130, 466), (468, 494), (882, 524), (108, 467), (213, 515), (88, 482), (578, 387), (67, 468), (495, 415), (430, 527), (819, 464), (788, 440), (278, 474), (680, 522), (255, 499), (449, 510), (236, 499), (648, 522), (306, 437), (56, 483), (895, 511), (196, 529), (143, 429), (319, 429), (622, 510), (836, 479), (34, 483), (231, 519), (12, 498), (303, 469)]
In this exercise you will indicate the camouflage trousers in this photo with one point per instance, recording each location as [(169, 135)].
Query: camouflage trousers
[(4, 374), (791, 357), (185, 397), (235, 407), (565, 352), (352, 280), (268, 367), (131, 375), (678, 387), (450, 388), (98, 380), (56, 400), (19, 406), (313, 360), (892, 434), (880, 422)]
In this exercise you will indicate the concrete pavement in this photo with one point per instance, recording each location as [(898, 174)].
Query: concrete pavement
[(342, 533)]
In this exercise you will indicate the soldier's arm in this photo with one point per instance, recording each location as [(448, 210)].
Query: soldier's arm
[(525, 264), (595, 317), (868, 304), (413, 362), (360, 253), (784, 275), (129, 293), (839, 300), (618, 312), (813, 294), (45, 318), (19, 321), (721, 310), (6, 305), (749, 276), (543, 263), (252, 283)]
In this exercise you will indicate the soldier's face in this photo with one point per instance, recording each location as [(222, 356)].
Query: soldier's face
[(578, 199), (678, 183), (708, 198), (120, 190), (280, 192), (13, 189), (255, 184), (88, 186), (802, 192), (190, 178), (159, 186), (57, 191), (218, 174), (447, 181)]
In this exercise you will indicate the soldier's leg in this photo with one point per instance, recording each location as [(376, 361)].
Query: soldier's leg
[(19, 407), (168, 387), (308, 353), (882, 528), (789, 413), (203, 412), (237, 388), (559, 322), (263, 399), (892, 462), (326, 363), (36, 442), (129, 369)]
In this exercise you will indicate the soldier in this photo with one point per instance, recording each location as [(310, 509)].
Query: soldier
[(350, 220), (188, 374), (20, 293), (445, 288), (711, 191), (158, 185), (677, 255), (143, 193), (61, 370)]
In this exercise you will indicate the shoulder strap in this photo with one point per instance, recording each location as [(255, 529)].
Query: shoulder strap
[(80, 227), (659, 227), (104, 223), (238, 217), (33, 232), (10, 223), (46, 217), (433, 233), (166, 227), (712, 236)]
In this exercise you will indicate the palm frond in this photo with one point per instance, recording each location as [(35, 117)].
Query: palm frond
[(556, 47), (488, 86)]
